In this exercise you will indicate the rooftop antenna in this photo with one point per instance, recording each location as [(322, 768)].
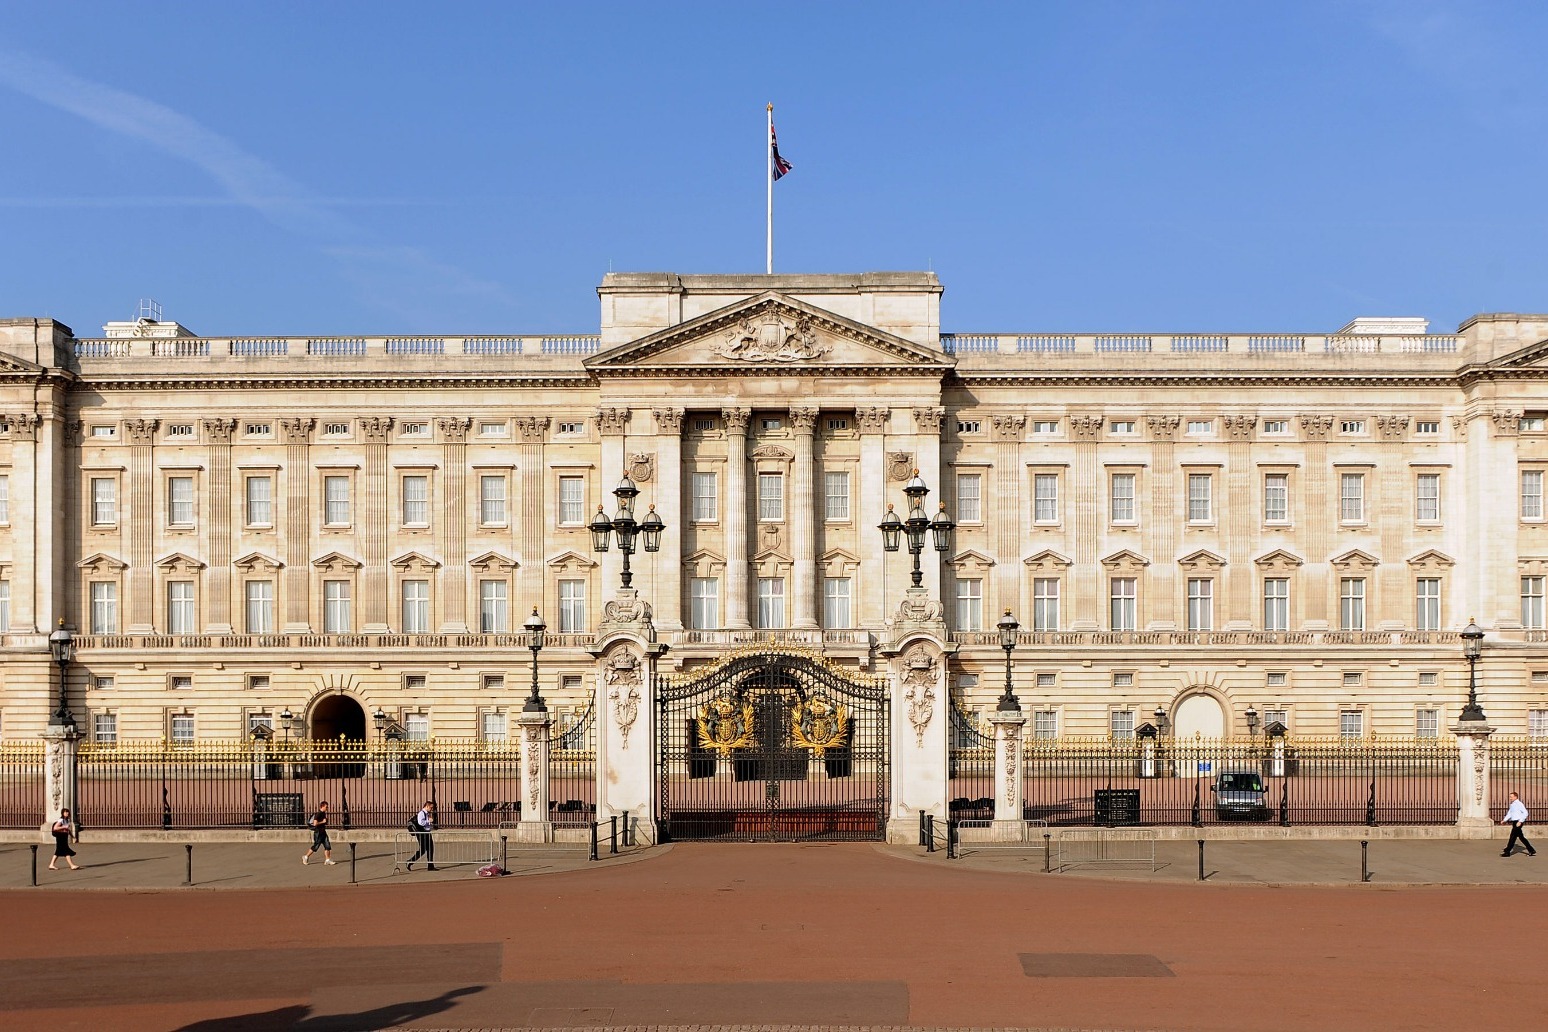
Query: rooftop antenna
[(149, 311)]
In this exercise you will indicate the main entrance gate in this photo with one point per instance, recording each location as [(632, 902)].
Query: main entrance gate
[(772, 745)]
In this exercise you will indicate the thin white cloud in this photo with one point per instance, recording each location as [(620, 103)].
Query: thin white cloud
[(208, 202), (248, 179)]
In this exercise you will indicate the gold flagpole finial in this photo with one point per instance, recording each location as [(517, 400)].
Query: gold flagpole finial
[(771, 108)]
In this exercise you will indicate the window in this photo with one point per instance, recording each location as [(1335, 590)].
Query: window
[(416, 501), (1351, 604), (572, 606), (1276, 426), (771, 496), (416, 727), (1276, 679), (835, 496), (414, 682), (180, 607), (1200, 491), (181, 683), (771, 602), (259, 429), (260, 501), (703, 603), (1045, 724), (1276, 497), (491, 500), (970, 604), (771, 423), (1123, 680), (1201, 604), (1427, 426), (836, 612), (837, 423), (969, 426), (1121, 426), (703, 424), (1273, 715), (1427, 723), (493, 682), (1199, 427), (416, 429), (180, 501), (1045, 497), (258, 683), (104, 501), (1123, 608), (104, 728), (494, 614), (257, 720), (706, 496), (1045, 603), (182, 729), (5, 499), (970, 498), (104, 607), (1532, 603), (1351, 723), (1352, 679), (1276, 603), (338, 615), (104, 431), (488, 429), (1531, 494), (1351, 426), (416, 607), (1351, 497), (1047, 680), (1120, 723), (335, 429), (1427, 498), (1121, 497), (1428, 679), (492, 727), (570, 686), (572, 501), (1427, 604), (1537, 724), (1045, 426), (336, 501), (260, 607), (1531, 423), (5, 605), (571, 428)]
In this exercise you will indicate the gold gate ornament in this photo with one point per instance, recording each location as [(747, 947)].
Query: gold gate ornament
[(819, 724), (726, 724)]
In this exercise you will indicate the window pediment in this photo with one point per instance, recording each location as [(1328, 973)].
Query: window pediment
[(1432, 559), (178, 562), (493, 562), (101, 562), (1203, 559), (335, 562), (571, 561), (1047, 561), (256, 562), (836, 562), (1125, 561), (970, 562), (414, 562), (1279, 560), (1355, 559), (705, 563)]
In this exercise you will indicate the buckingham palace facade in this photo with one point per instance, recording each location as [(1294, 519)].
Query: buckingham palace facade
[(1195, 525)]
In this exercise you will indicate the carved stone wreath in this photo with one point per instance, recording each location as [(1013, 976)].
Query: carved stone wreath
[(772, 338)]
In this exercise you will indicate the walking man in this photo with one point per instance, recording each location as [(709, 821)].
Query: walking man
[(422, 824), (319, 823), (1516, 816)]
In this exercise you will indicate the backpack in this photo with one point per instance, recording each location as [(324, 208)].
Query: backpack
[(491, 871)]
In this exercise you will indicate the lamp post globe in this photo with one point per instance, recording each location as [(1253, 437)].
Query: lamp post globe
[(1472, 648)]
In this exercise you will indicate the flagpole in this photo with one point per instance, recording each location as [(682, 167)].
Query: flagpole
[(768, 182)]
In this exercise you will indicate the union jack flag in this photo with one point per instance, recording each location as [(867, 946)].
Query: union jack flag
[(781, 166)]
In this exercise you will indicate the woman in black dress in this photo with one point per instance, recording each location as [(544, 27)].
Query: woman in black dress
[(63, 829)]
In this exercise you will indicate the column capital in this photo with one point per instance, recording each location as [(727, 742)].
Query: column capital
[(218, 430), (668, 420), (872, 420), (297, 431), (803, 420), (376, 428), (454, 429), (532, 429), (736, 419), (1163, 428), (140, 431), (928, 418), (612, 420)]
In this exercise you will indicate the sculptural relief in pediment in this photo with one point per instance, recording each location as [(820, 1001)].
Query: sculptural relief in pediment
[(771, 336)]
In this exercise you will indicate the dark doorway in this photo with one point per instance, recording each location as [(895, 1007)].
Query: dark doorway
[(338, 733)]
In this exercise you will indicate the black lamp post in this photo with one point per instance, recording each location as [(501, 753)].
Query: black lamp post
[(1162, 724), (535, 628), (62, 645), (288, 722), (628, 529), (1472, 648), (379, 718), (915, 526), (1252, 721), (1008, 628)]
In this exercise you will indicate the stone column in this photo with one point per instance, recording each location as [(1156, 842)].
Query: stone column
[(296, 550), (60, 756), (803, 523), (217, 524), (735, 510), (927, 458), (668, 498), (373, 520), (534, 825), (1392, 514), (141, 515), (454, 525), (1496, 540), (870, 506), (1084, 512), (529, 579), (612, 424), (1165, 517), (1319, 514), (1473, 778), (626, 730), (1235, 605), (1008, 726), (1010, 518), (920, 724), (28, 586)]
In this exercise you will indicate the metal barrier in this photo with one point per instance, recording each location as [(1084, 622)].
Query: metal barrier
[(979, 836), (448, 849), (1075, 848)]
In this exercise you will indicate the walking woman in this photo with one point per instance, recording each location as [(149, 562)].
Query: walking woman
[(422, 824), (64, 830)]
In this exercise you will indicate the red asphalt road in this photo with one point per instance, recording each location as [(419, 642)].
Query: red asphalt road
[(1243, 957)]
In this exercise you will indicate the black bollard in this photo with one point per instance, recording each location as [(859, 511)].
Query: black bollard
[(593, 840), (612, 835), (1047, 850), (188, 871), (1365, 861), (352, 864), (1201, 859), (34, 865), (505, 855)]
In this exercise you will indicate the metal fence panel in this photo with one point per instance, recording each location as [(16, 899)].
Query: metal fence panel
[(22, 785)]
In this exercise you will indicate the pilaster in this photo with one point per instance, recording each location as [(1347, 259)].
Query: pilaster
[(668, 497), (803, 528), (217, 526), (1158, 595), (454, 524), (535, 516), (1235, 607), (627, 664), (612, 425), (296, 549), (373, 519), (29, 537), (871, 505), (1083, 513), (1009, 513), (1319, 514), (917, 670), (141, 518), (735, 516)]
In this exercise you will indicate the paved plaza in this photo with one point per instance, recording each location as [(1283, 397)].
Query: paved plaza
[(1281, 935)]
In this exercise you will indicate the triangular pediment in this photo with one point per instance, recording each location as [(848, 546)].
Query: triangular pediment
[(1045, 560), (495, 562), (1431, 559), (768, 335), (570, 559), (336, 561), (1355, 559), (101, 562), (1203, 559), (12, 364), (1279, 559), (1531, 355), (970, 559), (1125, 560), (179, 562), (414, 561), (256, 561)]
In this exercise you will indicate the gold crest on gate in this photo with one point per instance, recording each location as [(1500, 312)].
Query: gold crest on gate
[(819, 724), (726, 723)]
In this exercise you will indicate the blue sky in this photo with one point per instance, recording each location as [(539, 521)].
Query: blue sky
[(476, 168)]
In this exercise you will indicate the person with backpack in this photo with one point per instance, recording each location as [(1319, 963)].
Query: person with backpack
[(64, 830), (421, 825), (319, 823)]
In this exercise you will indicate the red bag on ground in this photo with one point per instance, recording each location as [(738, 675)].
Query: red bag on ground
[(491, 871)]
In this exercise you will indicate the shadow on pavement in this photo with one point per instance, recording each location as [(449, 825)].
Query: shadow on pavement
[(301, 1018)]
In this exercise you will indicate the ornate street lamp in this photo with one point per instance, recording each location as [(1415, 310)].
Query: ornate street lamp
[(288, 722), (1252, 721), (1472, 648), (1008, 628), (1162, 724), (62, 645), (535, 628), (379, 718), (628, 529), (915, 526)]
